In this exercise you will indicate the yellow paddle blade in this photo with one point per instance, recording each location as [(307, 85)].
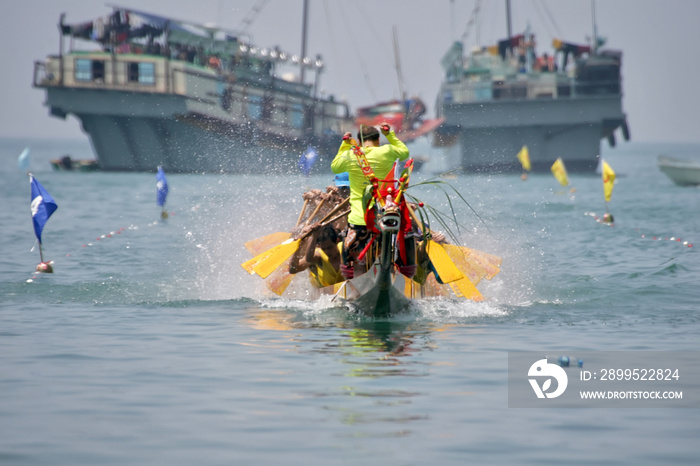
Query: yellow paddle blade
[(443, 264), (475, 265), (279, 280), (274, 258), (466, 289), (434, 289), (470, 268), (258, 245), (490, 263), (250, 264)]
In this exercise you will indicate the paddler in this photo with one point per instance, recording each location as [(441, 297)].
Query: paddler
[(321, 257), (381, 159)]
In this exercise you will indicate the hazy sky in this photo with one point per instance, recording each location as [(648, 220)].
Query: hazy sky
[(659, 39)]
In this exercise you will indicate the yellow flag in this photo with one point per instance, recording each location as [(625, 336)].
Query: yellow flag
[(559, 172), (608, 180), (524, 157)]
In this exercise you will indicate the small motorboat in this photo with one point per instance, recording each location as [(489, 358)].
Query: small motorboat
[(682, 172), (66, 163)]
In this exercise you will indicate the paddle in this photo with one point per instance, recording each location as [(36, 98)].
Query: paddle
[(313, 214), (279, 254), (303, 209), (263, 264), (249, 264), (466, 289), (279, 280), (258, 245), (450, 274), (475, 265), (444, 266)]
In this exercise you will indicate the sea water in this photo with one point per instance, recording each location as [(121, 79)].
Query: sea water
[(151, 345)]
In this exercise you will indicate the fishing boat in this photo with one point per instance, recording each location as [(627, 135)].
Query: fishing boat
[(407, 116), (682, 172), (383, 288), (499, 98), (154, 91)]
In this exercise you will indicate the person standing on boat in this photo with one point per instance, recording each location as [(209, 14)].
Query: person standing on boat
[(381, 158), (321, 257)]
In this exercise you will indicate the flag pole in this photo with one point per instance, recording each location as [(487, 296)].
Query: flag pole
[(161, 192), (42, 207)]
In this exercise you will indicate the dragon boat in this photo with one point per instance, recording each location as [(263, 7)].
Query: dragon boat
[(387, 286)]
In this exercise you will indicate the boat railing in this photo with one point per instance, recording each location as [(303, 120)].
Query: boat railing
[(530, 89), (145, 73), (40, 74), (281, 104), (101, 70)]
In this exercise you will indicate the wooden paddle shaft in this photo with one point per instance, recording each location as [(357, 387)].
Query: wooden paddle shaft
[(303, 209), (323, 224), (335, 209), (313, 214)]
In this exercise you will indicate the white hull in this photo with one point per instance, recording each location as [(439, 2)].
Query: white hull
[(681, 172)]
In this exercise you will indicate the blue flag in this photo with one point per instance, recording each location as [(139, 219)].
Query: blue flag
[(161, 186), (43, 206), (307, 160)]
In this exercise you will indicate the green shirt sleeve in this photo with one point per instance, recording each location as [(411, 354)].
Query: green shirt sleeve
[(399, 147), (341, 158)]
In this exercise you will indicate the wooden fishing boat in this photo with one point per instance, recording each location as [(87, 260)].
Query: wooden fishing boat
[(681, 171), (406, 116)]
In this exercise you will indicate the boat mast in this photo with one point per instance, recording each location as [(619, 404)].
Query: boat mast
[(399, 75), (510, 34), (452, 20), (397, 64), (595, 29), (303, 40), (60, 45)]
